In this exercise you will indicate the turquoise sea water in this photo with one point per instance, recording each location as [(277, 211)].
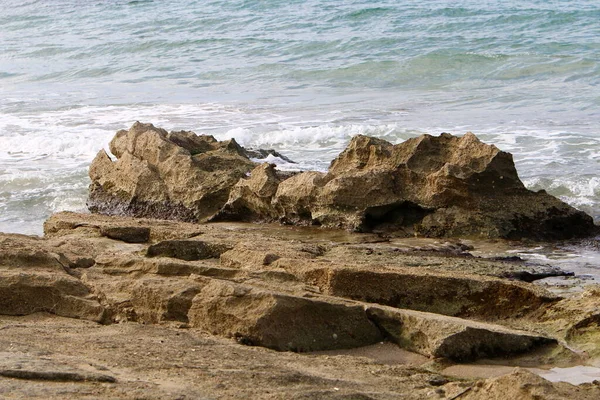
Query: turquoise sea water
[(298, 76)]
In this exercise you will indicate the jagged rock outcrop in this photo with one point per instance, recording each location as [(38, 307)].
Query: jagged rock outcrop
[(176, 175), (444, 186), (433, 186)]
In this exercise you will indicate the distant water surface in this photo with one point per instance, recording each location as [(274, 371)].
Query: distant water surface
[(302, 77)]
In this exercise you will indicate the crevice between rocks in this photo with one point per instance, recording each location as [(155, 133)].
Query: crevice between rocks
[(55, 376), (401, 216)]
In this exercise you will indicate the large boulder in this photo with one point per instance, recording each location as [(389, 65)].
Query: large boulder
[(177, 175), (432, 186)]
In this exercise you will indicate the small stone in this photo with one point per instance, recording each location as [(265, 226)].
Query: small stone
[(437, 381)]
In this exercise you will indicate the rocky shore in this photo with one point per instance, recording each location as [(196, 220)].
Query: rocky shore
[(203, 274), (443, 186)]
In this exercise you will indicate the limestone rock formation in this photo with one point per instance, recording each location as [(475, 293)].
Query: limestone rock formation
[(303, 292), (442, 186), (433, 186), (176, 175)]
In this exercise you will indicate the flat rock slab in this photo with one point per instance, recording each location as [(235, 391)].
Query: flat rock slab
[(43, 368), (279, 321), (189, 250), (426, 253), (463, 295), (452, 338), (67, 223), (170, 267)]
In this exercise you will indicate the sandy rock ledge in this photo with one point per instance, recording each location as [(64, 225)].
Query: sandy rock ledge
[(166, 309)]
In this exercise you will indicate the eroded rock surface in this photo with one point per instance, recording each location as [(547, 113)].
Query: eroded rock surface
[(176, 175), (34, 278), (278, 320), (203, 303), (442, 186), (452, 338), (243, 280)]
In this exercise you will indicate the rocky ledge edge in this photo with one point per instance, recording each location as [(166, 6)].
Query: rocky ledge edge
[(238, 291)]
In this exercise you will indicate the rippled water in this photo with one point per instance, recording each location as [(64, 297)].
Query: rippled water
[(299, 76)]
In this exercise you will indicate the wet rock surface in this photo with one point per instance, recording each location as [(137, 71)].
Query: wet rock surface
[(212, 302)]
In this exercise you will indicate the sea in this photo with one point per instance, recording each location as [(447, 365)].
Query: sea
[(301, 77)]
